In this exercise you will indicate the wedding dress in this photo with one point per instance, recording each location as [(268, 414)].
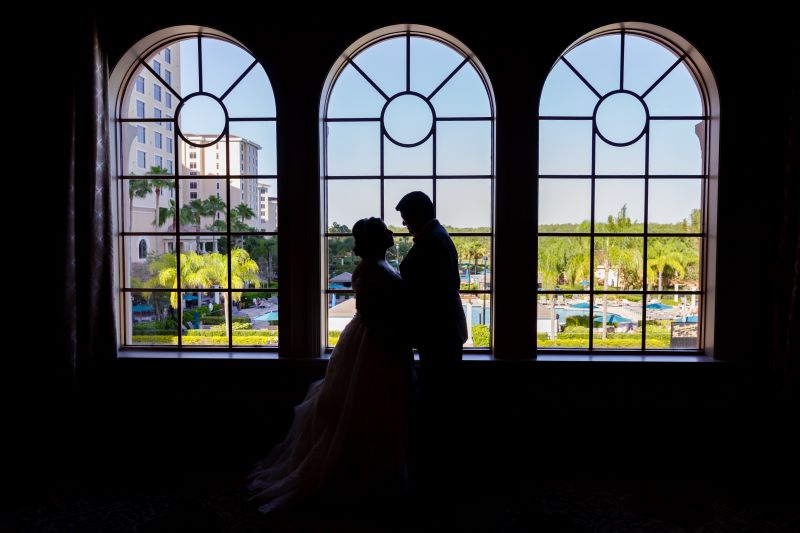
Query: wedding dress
[(349, 433)]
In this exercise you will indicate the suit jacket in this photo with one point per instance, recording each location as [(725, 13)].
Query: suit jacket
[(431, 280)]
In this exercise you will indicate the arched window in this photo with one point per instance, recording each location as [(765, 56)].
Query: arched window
[(196, 165), (409, 108), (143, 249), (626, 199)]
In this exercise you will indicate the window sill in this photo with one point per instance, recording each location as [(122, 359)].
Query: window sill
[(467, 358)]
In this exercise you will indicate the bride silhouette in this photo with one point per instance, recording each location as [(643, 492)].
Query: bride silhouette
[(348, 436)]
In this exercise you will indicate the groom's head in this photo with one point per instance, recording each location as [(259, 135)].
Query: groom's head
[(416, 209)]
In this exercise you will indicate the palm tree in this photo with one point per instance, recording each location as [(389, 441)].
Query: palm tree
[(157, 185), (244, 273), (212, 206), (661, 255), (241, 212), (137, 188), (550, 265), (475, 250), (165, 273)]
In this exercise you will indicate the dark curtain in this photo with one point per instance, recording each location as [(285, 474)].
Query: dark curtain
[(785, 347), (89, 315), (64, 314)]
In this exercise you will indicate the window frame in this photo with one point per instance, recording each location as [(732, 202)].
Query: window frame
[(469, 58), (303, 314), (706, 84), (120, 85)]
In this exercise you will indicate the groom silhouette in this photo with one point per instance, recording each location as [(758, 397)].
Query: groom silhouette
[(431, 280)]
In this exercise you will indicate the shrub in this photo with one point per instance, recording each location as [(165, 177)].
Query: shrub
[(480, 335), (212, 338), (216, 320)]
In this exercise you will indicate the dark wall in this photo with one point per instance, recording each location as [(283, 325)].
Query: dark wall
[(181, 413)]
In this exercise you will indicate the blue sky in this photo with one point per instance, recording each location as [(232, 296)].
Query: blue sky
[(465, 147)]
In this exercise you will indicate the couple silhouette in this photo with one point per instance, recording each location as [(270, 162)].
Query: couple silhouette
[(349, 439)]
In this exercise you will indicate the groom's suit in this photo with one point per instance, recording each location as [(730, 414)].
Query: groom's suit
[(431, 279)]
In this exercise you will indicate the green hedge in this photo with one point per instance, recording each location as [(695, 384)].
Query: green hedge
[(216, 320), (221, 333), (630, 342), (480, 335), (250, 338)]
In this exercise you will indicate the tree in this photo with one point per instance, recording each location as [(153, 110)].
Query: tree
[(137, 188), (661, 254), (242, 212), (550, 265), (212, 206), (157, 185), (205, 272), (243, 273)]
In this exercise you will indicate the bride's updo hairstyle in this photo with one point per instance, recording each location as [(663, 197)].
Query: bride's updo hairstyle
[(372, 237)]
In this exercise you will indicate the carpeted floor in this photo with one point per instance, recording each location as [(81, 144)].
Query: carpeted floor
[(219, 504)]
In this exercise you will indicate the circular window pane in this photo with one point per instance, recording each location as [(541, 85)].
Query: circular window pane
[(621, 118), (201, 114), (408, 119)]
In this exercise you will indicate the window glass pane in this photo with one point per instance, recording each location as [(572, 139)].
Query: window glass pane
[(255, 261), (677, 94), (464, 204), (261, 308), (341, 262), (205, 317), (676, 147), (464, 148), (223, 63), (464, 95), (134, 148), (150, 319), (341, 310), (351, 200), (674, 206), (563, 263), (140, 198), (393, 191), (478, 312), (205, 212), (565, 94), (673, 263), (673, 322), (402, 161), (562, 321), (645, 62), (385, 64), (565, 205), (620, 160), (617, 322), (475, 262), (598, 61), (618, 263), (353, 148), (565, 147), (252, 97), (354, 97), (431, 63), (619, 206)]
